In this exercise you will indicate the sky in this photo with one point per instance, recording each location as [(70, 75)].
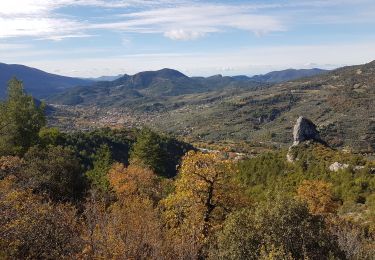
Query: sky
[(92, 38)]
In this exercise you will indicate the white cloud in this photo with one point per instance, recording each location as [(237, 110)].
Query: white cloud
[(37, 27), (67, 36), (195, 21), (35, 7), (38, 18), (24, 7), (183, 35), (175, 19)]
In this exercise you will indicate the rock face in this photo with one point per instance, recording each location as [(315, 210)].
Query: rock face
[(305, 130)]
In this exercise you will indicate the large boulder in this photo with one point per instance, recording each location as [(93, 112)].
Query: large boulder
[(305, 133), (336, 166), (305, 130)]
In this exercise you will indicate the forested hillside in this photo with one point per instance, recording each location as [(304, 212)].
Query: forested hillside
[(138, 194), (231, 110)]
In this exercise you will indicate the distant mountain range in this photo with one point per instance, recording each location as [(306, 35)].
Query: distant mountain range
[(239, 109), (287, 75), (37, 82), (105, 78), (151, 85), (145, 86), (163, 82)]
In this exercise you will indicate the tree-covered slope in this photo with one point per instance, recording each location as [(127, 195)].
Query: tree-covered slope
[(341, 102), (146, 86), (220, 108)]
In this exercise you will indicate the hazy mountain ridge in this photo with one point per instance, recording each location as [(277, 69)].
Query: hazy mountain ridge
[(287, 75), (154, 85), (145, 86), (104, 78), (37, 82)]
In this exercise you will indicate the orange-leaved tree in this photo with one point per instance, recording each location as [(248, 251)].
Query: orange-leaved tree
[(134, 181), (318, 196), (130, 228)]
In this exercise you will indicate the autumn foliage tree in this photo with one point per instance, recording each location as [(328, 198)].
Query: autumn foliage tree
[(318, 196), (32, 228), (205, 193), (130, 228), (10, 165), (134, 181)]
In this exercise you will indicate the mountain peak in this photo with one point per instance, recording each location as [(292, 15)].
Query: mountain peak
[(170, 73)]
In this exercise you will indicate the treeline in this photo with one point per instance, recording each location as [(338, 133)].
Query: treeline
[(135, 194)]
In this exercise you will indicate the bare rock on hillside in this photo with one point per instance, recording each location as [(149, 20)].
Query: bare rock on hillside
[(336, 166), (305, 130)]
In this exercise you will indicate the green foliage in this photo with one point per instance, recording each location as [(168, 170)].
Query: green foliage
[(54, 171), (284, 227), (20, 120), (33, 228), (50, 136), (160, 153), (268, 174), (271, 173), (148, 151), (87, 144), (102, 164)]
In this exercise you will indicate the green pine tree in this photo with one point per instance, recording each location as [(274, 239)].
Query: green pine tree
[(102, 164), (20, 120), (148, 151)]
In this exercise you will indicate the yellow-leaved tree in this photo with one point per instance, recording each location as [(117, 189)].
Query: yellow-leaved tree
[(205, 192), (318, 196), (130, 228)]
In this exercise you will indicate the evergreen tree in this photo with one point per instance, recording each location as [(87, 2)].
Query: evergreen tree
[(102, 164), (20, 120), (148, 152)]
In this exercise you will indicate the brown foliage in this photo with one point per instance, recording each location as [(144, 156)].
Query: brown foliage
[(32, 229), (134, 181), (129, 229), (356, 241), (318, 196), (10, 165)]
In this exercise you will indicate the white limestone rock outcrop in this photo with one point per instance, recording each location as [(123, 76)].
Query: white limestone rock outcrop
[(336, 166), (305, 130)]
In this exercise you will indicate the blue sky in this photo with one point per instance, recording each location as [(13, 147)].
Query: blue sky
[(90, 38)]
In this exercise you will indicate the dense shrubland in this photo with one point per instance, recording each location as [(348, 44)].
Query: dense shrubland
[(136, 194)]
